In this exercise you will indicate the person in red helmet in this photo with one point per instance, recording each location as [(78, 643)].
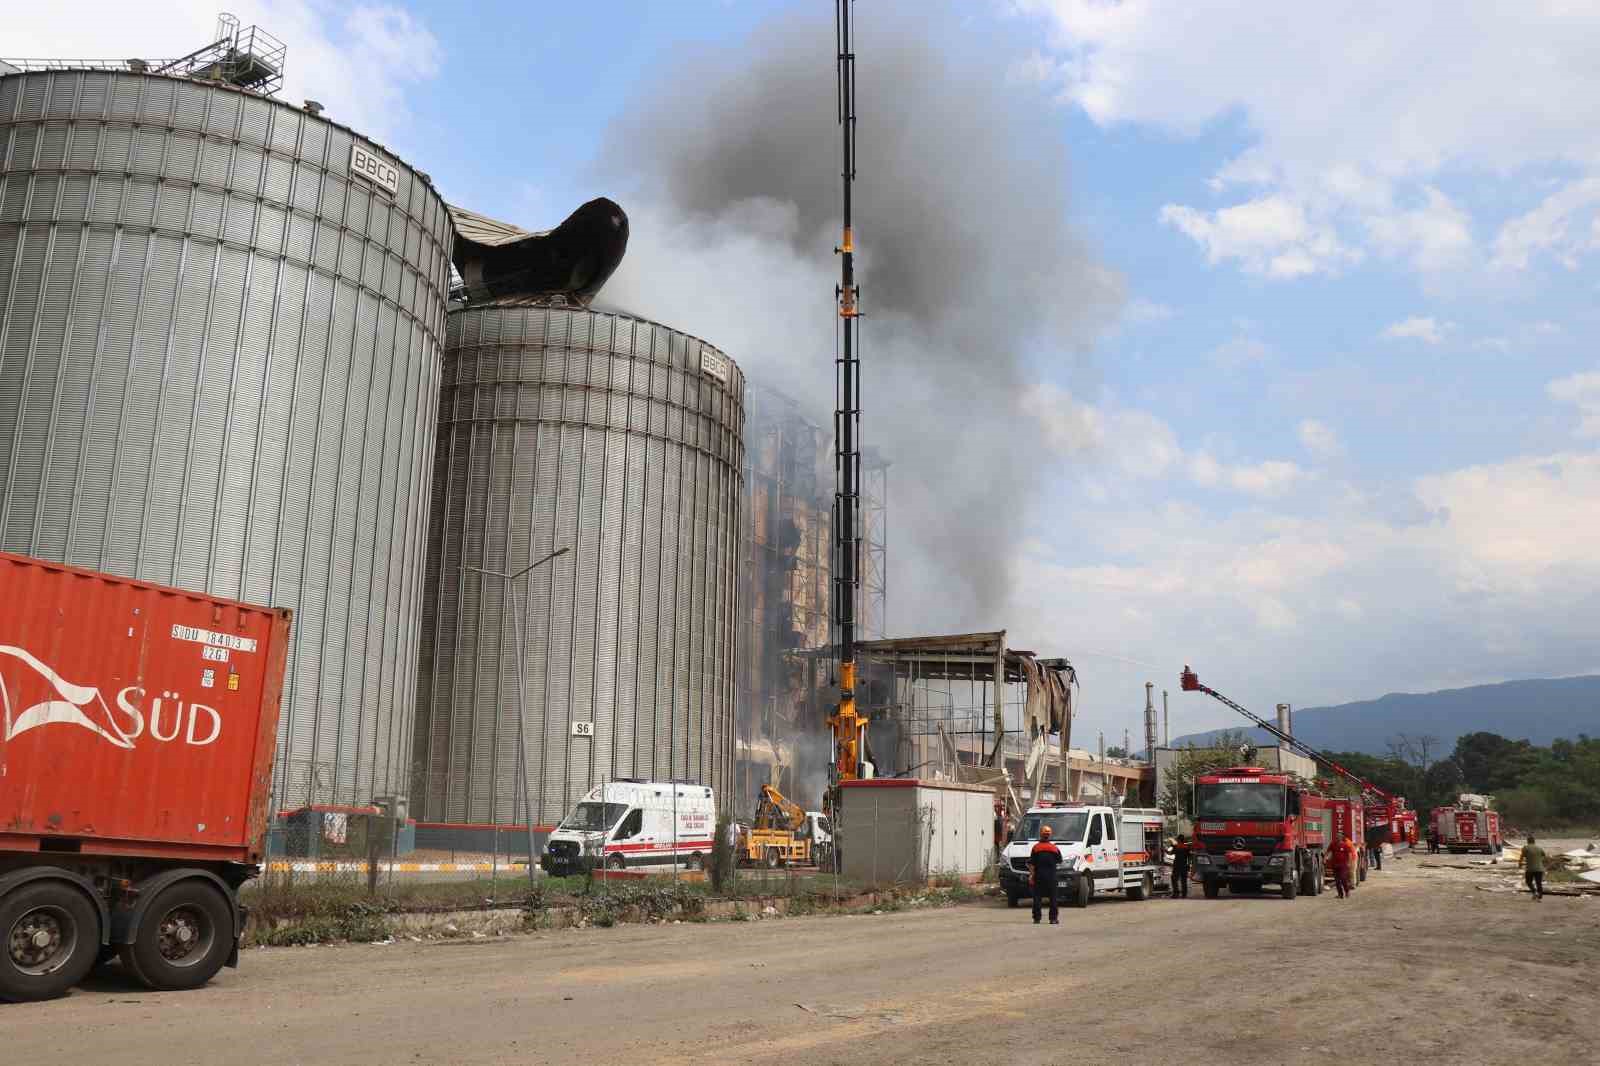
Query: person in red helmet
[(1043, 859)]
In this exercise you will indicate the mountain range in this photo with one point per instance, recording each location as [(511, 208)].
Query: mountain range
[(1538, 710)]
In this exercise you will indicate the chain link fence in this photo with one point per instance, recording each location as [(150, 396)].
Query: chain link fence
[(353, 873)]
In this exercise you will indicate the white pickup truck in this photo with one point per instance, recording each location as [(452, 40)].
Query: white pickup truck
[(1103, 849)]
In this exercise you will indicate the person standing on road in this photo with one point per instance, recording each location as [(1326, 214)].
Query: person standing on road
[(1043, 859), (1532, 863), (1375, 853), (1181, 850), (1343, 859)]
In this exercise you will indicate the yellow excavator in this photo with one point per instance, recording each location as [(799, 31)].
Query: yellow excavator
[(780, 834)]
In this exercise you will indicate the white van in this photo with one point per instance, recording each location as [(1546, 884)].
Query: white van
[(1103, 849), (627, 823)]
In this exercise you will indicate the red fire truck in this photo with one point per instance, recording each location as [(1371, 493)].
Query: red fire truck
[(1254, 827), (1468, 827), (1385, 818), (1349, 818)]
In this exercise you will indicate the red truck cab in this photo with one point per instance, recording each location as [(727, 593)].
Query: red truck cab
[(1256, 827)]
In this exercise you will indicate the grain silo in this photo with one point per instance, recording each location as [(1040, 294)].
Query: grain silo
[(221, 319), (616, 438)]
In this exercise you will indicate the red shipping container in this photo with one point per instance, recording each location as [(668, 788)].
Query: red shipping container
[(137, 720)]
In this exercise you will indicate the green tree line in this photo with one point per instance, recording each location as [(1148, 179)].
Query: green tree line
[(1532, 785)]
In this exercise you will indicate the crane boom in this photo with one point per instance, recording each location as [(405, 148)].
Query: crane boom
[(1190, 682), (777, 811)]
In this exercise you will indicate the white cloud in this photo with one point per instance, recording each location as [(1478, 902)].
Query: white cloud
[(1414, 605), (1240, 352), (357, 60), (1270, 236), (1271, 478), (1350, 127), (1139, 445), (1582, 391), (1319, 439), (1427, 330), (1141, 311), (1133, 443), (1434, 237), (1547, 228)]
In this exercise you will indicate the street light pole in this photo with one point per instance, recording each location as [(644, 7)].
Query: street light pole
[(522, 694)]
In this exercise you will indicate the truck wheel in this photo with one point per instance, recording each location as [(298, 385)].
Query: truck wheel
[(183, 938), (1082, 891), (770, 859), (1144, 889), (52, 938), (615, 862), (696, 861), (1211, 887), (1291, 885)]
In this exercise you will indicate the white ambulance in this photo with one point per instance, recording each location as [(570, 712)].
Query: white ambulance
[(628, 823), (1103, 849)]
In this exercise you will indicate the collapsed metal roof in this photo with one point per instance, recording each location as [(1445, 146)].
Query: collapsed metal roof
[(499, 261), (490, 232)]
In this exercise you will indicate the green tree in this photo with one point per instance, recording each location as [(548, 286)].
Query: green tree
[(1491, 763), (1188, 763)]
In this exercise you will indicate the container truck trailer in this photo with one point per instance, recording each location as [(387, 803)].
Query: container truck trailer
[(139, 725)]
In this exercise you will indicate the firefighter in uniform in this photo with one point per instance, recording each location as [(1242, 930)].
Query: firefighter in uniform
[(1043, 860), (1182, 850), (1344, 860)]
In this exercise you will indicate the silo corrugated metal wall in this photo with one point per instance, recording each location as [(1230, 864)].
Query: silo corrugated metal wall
[(220, 370), (565, 427)]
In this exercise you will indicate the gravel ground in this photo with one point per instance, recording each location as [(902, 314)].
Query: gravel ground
[(1420, 965)]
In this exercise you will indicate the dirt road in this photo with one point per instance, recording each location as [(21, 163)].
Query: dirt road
[(1419, 966)]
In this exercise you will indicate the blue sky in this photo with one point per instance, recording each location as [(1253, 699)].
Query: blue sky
[(1330, 428)]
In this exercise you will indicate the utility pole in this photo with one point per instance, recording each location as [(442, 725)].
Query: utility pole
[(522, 694), (1166, 722), (849, 727), (1105, 778), (1149, 721)]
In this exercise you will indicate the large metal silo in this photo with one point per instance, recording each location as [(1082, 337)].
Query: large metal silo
[(620, 439), (219, 366)]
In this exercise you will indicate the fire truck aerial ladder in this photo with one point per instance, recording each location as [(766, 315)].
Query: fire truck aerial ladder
[(1190, 682), (849, 725)]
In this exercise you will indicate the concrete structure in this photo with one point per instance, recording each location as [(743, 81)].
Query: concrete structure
[(909, 830), (621, 440), (220, 329)]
